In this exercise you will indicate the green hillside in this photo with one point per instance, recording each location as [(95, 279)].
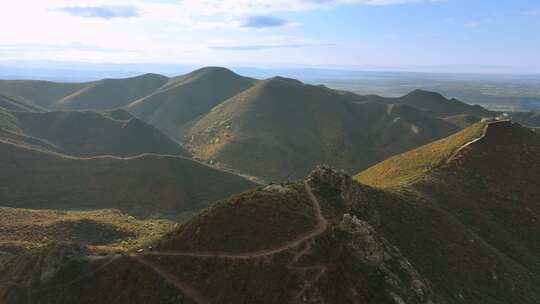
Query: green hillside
[(112, 93), (282, 128), (144, 185), (466, 216), (18, 104), (42, 93), (462, 231), (321, 260), (25, 228), (91, 133), (185, 97)]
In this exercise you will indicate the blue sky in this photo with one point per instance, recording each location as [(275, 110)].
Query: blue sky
[(344, 33)]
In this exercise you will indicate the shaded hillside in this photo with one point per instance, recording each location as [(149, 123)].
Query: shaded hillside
[(464, 210), (185, 97), (438, 105), (282, 128), (18, 104), (41, 93), (112, 93), (143, 185), (336, 256), (90, 133)]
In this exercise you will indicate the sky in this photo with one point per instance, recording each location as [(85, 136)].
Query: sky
[(272, 33)]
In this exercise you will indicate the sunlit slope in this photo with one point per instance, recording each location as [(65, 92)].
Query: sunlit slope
[(465, 211), (283, 128), (112, 93), (185, 97)]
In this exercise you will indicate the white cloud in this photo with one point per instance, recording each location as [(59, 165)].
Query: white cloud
[(150, 30)]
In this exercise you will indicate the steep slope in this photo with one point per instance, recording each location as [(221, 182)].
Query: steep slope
[(185, 97), (90, 133), (143, 185), (466, 210), (282, 128), (112, 93), (319, 242), (437, 104)]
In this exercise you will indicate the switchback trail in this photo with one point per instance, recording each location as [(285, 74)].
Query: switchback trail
[(308, 237), (319, 228)]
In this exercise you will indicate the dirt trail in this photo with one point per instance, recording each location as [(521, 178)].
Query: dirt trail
[(308, 237), (484, 133), (319, 228)]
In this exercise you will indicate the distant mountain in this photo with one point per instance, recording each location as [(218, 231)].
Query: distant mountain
[(283, 128), (89, 133), (142, 185), (42, 93), (112, 93), (468, 219), (183, 98), (436, 104), (18, 104)]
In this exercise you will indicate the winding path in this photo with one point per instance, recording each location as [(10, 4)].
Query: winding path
[(308, 237)]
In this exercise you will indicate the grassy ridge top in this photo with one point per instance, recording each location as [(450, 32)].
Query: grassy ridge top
[(406, 168), (249, 221)]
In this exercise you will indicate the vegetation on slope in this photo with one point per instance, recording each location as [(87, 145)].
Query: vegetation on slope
[(467, 220), (249, 221), (26, 228), (90, 133), (332, 266), (282, 128), (409, 167), (112, 93), (42, 93), (18, 104), (185, 97), (143, 185)]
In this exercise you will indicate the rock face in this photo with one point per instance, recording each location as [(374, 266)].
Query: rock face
[(402, 282), (402, 279)]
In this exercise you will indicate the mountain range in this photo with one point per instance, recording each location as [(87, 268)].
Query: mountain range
[(151, 190), (251, 126), (444, 223)]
